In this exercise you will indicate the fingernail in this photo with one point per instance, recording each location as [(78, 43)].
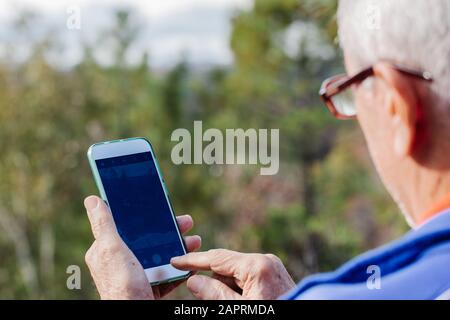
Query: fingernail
[(91, 203), (195, 284), (175, 259)]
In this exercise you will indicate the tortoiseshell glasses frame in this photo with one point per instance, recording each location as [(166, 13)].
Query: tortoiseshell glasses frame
[(337, 94)]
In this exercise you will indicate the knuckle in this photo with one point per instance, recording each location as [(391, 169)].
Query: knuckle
[(89, 256), (107, 249), (218, 252), (115, 244), (273, 258), (264, 265)]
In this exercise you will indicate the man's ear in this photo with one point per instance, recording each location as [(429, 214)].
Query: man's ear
[(401, 103)]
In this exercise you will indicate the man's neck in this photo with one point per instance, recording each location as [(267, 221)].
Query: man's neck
[(431, 197)]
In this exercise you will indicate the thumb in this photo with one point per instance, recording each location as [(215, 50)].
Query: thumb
[(206, 288), (102, 223)]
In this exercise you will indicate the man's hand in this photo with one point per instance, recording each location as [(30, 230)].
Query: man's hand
[(115, 270), (236, 275)]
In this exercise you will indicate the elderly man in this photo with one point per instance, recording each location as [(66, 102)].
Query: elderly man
[(398, 87)]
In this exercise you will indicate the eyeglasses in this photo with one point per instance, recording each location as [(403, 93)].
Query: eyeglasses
[(337, 93)]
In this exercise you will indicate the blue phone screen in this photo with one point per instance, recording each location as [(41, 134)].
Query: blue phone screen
[(139, 207)]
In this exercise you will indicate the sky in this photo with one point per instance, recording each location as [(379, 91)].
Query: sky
[(197, 30)]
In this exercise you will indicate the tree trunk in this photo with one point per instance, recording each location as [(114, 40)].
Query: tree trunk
[(16, 233), (308, 192)]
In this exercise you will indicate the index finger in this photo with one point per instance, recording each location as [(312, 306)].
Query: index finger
[(221, 261)]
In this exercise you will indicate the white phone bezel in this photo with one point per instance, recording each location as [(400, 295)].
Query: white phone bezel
[(116, 148)]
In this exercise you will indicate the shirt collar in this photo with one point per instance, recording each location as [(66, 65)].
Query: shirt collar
[(439, 207)]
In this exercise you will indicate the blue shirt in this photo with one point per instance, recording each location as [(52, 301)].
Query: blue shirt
[(417, 266)]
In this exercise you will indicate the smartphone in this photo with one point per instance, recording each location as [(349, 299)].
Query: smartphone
[(130, 182)]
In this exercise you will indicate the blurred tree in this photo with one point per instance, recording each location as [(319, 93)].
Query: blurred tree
[(282, 50)]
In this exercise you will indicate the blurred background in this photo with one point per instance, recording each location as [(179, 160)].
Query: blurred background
[(145, 68)]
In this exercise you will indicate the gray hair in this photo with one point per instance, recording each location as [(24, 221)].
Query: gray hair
[(413, 33)]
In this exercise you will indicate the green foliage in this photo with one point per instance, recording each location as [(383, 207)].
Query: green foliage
[(324, 206)]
